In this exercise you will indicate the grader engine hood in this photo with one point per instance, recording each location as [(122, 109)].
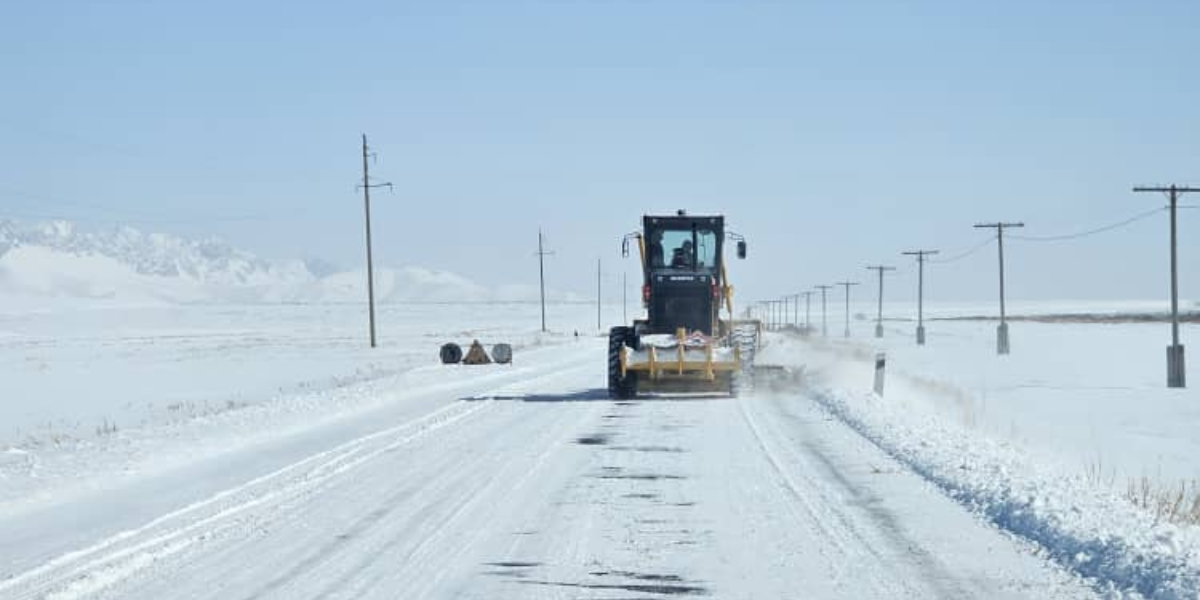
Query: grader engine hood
[(681, 300)]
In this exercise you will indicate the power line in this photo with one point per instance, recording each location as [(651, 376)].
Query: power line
[(957, 257), (1071, 236)]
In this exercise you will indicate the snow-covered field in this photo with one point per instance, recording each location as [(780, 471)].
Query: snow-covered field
[(87, 390), (1092, 395), (149, 452), (68, 371)]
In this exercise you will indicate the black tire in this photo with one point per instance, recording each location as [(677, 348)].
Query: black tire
[(620, 388), (451, 354)]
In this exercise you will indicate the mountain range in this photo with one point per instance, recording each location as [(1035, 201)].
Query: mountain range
[(62, 260)]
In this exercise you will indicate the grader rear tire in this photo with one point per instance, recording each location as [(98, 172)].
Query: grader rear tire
[(620, 388)]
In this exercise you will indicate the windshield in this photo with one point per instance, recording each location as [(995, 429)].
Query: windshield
[(691, 248)]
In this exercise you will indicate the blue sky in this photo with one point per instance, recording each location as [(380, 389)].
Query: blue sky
[(833, 135)]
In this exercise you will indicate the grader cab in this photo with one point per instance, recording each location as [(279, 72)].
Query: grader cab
[(683, 345)]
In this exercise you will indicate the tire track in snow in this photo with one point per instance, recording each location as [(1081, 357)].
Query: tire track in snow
[(122, 555), (111, 560), (827, 512)]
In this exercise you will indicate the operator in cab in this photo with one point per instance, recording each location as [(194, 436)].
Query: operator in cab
[(682, 257)]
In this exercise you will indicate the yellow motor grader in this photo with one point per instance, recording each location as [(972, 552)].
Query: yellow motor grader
[(683, 345)]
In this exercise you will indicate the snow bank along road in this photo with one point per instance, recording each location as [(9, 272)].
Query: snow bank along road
[(540, 487)]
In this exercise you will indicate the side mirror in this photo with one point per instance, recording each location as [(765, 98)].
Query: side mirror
[(625, 248), (742, 249)]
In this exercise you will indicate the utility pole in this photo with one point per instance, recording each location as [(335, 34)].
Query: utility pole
[(1176, 367), (879, 315), (920, 254), (1002, 330), (847, 284), (796, 310), (366, 186), (542, 253), (599, 327), (824, 314), (807, 311), (624, 297)]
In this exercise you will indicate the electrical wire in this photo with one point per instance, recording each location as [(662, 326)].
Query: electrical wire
[(965, 254), (1090, 232)]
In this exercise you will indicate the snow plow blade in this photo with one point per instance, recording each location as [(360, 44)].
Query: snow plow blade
[(681, 364)]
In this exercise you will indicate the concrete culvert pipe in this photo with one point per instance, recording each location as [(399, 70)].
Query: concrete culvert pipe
[(502, 353), (451, 354)]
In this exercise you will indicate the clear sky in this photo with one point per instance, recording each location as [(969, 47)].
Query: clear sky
[(832, 134)]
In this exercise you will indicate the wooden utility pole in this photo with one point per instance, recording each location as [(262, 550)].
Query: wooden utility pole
[(1176, 367), (1002, 330), (366, 186), (920, 254), (541, 254), (847, 285), (824, 313), (624, 297), (796, 310), (807, 311), (599, 327), (879, 315)]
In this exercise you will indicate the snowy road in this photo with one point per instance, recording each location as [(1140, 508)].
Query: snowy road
[(537, 486)]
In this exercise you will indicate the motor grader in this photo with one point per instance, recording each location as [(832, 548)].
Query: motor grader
[(683, 345)]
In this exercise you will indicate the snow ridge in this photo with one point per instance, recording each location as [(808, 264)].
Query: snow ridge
[(1089, 531)]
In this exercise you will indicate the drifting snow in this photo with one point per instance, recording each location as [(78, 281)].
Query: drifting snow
[(1086, 527)]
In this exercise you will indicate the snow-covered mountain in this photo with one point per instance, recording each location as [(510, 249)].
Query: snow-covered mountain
[(60, 260)]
